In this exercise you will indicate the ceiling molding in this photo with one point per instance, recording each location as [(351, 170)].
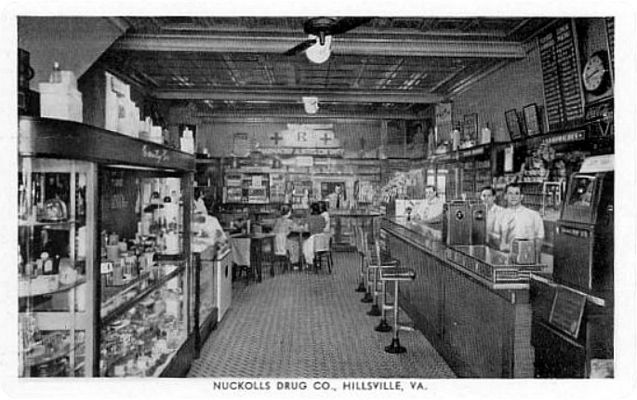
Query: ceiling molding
[(227, 116), (396, 46), (258, 94)]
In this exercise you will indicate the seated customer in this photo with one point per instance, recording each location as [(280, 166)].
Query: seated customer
[(282, 228), (315, 225), (326, 216)]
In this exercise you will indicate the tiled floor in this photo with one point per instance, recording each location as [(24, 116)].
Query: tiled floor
[(299, 325)]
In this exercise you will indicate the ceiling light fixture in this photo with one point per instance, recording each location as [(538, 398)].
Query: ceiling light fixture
[(310, 104), (319, 52)]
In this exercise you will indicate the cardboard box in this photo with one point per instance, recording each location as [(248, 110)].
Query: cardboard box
[(58, 100)]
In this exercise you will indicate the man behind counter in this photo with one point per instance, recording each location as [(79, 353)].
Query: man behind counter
[(337, 199), (518, 222), (430, 210), (487, 195)]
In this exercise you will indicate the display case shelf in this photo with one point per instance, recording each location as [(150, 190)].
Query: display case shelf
[(47, 358), (26, 292), (109, 292), (62, 225), (112, 315)]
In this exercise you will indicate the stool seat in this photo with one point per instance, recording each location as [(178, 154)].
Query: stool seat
[(397, 274), (394, 274), (389, 262)]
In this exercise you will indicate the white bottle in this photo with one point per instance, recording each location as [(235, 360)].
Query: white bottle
[(56, 74)]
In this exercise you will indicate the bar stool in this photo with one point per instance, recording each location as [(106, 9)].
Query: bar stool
[(396, 274), (358, 235), (375, 261), (383, 326)]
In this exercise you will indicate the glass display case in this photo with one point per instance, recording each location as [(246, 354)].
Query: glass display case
[(54, 265), (143, 278), (140, 336), (104, 253)]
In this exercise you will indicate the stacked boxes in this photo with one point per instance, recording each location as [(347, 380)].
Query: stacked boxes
[(123, 116), (60, 98)]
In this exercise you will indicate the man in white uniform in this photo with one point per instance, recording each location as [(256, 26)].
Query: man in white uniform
[(206, 229), (430, 210), (518, 222), (337, 198), (487, 195)]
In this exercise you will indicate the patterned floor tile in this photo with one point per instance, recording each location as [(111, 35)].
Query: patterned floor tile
[(306, 325)]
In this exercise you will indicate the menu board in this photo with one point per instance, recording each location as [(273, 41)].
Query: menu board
[(563, 93)]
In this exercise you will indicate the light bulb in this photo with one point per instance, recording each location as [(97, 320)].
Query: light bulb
[(319, 54)]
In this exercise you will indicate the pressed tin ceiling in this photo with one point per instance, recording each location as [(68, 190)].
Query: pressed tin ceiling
[(387, 66)]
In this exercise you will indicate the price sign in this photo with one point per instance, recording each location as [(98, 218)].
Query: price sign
[(566, 313)]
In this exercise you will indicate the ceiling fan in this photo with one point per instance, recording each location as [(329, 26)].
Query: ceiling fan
[(321, 30)]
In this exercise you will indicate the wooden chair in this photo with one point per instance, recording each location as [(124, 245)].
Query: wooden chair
[(322, 252), (281, 256)]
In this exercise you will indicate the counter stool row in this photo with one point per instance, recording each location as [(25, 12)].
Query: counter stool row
[(376, 270)]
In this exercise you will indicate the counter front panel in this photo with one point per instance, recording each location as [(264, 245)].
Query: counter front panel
[(482, 329)]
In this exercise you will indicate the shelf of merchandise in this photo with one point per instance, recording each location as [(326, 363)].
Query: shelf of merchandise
[(122, 308)]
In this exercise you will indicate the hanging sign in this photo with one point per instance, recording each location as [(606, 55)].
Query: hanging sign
[(305, 135)]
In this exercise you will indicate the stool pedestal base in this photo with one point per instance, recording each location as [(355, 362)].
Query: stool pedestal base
[(395, 347), (383, 326), (368, 298), (375, 311)]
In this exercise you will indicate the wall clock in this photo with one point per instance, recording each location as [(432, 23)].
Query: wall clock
[(596, 74)]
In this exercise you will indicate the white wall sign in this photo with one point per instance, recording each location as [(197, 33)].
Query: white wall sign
[(306, 135)]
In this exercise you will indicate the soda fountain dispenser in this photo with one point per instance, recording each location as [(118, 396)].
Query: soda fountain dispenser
[(464, 223)]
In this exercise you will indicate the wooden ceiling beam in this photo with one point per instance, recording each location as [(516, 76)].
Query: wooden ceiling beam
[(257, 94), (396, 46)]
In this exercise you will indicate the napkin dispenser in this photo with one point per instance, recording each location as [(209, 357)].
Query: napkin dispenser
[(523, 251)]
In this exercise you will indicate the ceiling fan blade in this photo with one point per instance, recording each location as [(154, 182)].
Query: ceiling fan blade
[(301, 47), (343, 25)]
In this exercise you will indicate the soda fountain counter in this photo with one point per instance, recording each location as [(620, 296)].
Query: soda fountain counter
[(573, 309), (468, 300)]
